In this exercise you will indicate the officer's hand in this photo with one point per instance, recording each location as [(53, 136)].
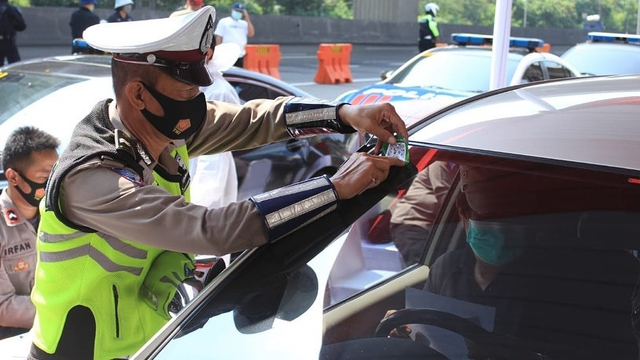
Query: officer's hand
[(380, 120), (362, 171)]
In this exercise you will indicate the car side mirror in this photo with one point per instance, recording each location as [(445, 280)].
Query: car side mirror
[(384, 75), (288, 296)]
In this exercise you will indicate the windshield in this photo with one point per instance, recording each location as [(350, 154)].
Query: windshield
[(604, 59), (19, 90), (464, 70)]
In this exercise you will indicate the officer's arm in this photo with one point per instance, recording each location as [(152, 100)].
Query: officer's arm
[(260, 122)]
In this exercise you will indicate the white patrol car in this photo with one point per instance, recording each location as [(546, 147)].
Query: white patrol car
[(462, 70), (606, 54)]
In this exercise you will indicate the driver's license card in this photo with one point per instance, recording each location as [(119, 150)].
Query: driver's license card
[(399, 150)]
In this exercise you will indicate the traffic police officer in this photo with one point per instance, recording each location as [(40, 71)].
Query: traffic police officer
[(428, 33), (116, 220), (27, 159), (11, 20), (121, 8)]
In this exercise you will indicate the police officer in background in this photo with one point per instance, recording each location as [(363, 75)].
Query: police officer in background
[(11, 21), (27, 159), (428, 33), (117, 224), (122, 9), (81, 19)]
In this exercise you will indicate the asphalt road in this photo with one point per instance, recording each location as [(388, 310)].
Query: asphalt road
[(299, 64)]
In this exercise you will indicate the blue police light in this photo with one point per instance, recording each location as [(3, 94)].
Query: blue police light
[(471, 39), (478, 39), (613, 37)]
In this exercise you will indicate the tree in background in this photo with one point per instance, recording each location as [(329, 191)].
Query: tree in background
[(617, 15)]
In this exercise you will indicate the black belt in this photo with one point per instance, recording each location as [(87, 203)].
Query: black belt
[(6, 37)]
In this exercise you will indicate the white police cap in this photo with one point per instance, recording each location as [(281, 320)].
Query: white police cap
[(178, 45)]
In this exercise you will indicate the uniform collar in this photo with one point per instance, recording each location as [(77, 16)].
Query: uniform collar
[(10, 214)]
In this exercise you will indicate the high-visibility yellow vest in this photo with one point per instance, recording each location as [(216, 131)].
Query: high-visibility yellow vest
[(126, 285)]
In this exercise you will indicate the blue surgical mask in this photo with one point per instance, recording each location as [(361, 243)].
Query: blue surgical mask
[(236, 15), (495, 243)]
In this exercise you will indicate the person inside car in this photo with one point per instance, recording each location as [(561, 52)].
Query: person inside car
[(484, 270), (524, 257), (117, 229)]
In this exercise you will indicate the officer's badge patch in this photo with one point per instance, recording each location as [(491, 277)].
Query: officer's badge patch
[(129, 175), (21, 265), (11, 216)]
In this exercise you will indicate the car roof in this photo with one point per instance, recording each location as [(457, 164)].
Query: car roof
[(83, 66), (591, 121)]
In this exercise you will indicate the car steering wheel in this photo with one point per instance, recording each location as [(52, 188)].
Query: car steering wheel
[(494, 344)]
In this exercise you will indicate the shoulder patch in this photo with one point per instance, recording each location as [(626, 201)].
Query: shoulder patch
[(11, 216), (129, 175)]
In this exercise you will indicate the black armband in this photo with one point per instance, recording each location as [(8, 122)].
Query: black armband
[(307, 117), (293, 206)]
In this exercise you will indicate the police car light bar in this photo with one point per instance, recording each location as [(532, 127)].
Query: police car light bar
[(613, 37), (479, 39)]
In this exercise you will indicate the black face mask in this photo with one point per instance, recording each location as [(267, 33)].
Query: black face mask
[(181, 118), (37, 191)]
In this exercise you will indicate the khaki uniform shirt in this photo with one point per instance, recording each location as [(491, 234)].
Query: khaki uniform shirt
[(421, 203), (96, 196), (18, 257)]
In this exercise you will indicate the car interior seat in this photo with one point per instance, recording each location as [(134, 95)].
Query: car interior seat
[(583, 289)]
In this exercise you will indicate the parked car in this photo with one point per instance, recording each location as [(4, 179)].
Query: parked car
[(546, 172), (55, 93), (461, 70), (606, 54)]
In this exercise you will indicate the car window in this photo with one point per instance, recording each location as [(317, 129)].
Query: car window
[(523, 258), (532, 73), (459, 70), (556, 70), (393, 234)]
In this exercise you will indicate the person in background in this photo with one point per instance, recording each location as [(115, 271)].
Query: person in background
[(27, 159), (189, 7), (122, 11), (11, 21), (235, 28), (413, 215), (81, 19), (118, 231), (428, 33), (214, 180)]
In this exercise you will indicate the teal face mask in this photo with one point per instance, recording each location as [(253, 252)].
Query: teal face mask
[(236, 15), (494, 242)]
